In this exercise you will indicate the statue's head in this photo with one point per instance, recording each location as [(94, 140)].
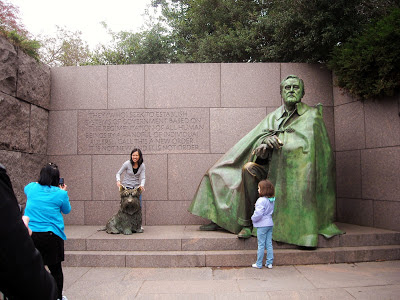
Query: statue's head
[(130, 202), (292, 90)]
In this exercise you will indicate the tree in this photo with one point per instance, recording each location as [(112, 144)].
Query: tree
[(148, 46), (10, 20), (368, 66), (265, 30), (66, 48), (308, 30), (213, 30), (12, 29)]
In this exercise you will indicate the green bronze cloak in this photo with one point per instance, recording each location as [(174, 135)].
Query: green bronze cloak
[(302, 171)]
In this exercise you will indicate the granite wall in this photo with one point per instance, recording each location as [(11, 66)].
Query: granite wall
[(24, 112), (367, 136), (183, 117)]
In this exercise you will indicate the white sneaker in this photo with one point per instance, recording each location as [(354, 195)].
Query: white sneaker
[(255, 266), (64, 298), (269, 266)]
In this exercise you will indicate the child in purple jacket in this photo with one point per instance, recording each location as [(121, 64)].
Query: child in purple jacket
[(262, 220)]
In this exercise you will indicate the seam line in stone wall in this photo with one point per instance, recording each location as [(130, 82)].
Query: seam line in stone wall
[(365, 125), (209, 130), (167, 177), (377, 200), (174, 108), (30, 150), (367, 149), (144, 87), (108, 88), (342, 104), (220, 85), (77, 131), (398, 105), (91, 191), (361, 184), (333, 114)]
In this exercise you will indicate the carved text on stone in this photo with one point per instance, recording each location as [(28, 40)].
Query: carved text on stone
[(151, 130)]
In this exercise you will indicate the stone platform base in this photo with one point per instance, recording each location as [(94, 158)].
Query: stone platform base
[(186, 246)]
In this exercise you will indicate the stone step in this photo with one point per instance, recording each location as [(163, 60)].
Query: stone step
[(189, 238), (228, 258), (186, 246)]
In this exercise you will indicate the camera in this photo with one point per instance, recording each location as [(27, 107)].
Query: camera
[(61, 182)]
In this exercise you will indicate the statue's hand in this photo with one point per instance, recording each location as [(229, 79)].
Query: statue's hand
[(262, 151), (273, 142)]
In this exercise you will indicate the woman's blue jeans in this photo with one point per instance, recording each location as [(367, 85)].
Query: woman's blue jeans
[(264, 239)]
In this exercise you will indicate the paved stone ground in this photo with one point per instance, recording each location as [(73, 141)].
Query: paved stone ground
[(367, 280)]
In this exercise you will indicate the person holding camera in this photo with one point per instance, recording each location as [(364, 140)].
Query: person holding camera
[(22, 272), (47, 200)]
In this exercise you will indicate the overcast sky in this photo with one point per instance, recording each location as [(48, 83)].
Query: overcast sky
[(42, 16)]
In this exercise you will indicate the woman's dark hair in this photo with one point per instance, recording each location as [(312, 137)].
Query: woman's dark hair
[(49, 175), (140, 161), (267, 189)]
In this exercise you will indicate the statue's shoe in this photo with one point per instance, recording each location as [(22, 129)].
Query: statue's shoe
[(210, 227), (245, 233), (254, 232)]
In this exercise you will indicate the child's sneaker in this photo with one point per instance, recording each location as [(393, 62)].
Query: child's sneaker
[(269, 266), (255, 266)]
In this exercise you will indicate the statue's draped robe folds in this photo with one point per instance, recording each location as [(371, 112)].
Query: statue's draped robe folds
[(302, 171)]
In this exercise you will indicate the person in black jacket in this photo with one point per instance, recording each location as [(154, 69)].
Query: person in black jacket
[(22, 273)]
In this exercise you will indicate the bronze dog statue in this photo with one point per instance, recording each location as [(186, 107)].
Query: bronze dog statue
[(128, 219)]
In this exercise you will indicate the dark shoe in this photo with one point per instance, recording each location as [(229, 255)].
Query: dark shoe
[(210, 227), (245, 233), (254, 232)]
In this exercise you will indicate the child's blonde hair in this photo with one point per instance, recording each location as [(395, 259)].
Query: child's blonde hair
[(267, 189)]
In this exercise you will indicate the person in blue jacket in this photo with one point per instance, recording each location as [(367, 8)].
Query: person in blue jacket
[(47, 200), (22, 272), (262, 220)]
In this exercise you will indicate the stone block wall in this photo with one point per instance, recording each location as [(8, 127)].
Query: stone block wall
[(24, 111), (367, 136), (182, 116), (193, 113)]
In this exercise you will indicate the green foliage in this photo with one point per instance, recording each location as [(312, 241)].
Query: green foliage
[(308, 30), (265, 31), (65, 48), (305, 31), (30, 47), (365, 61), (213, 30), (368, 66), (13, 30), (146, 47), (10, 20)]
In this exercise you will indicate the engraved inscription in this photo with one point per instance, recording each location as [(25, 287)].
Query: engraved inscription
[(151, 130)]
